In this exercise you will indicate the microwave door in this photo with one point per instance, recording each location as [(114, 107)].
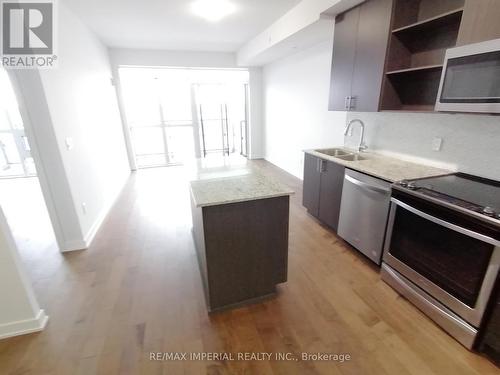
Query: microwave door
[(470, 80)]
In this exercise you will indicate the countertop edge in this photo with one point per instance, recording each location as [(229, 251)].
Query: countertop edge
[(221, 203), (360, 168)]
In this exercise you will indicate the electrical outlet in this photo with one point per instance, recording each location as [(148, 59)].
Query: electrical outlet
[(437, 143), (84, 208)]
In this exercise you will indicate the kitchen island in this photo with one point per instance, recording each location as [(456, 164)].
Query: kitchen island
[(240, 230)]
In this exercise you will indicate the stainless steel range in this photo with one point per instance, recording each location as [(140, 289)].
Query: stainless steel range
[(442, 248)]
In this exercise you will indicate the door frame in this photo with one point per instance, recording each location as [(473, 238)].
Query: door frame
[(40, 169)]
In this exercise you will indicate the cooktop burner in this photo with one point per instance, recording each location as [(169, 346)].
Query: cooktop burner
[(469, 192)]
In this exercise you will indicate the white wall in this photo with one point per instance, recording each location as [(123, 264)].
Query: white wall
[(19, 312), (77, 100), (255, 114), (193, 59), (49, 164), (296, 116), (301, 26)]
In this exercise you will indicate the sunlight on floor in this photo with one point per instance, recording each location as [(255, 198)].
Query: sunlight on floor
[(24, 206)]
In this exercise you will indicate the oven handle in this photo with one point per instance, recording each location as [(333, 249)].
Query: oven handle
[(456, 228)]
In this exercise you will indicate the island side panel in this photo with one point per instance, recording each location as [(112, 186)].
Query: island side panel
[(199, 243), (246, 249)]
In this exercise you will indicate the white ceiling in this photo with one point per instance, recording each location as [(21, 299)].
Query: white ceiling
[(170, 24)]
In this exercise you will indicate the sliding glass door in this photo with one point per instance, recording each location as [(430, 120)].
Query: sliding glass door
[(175, 114), (159, 115)]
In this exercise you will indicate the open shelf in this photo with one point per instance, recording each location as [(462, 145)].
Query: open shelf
[(414, 69), (434, 36), (422, 31), (411, 90), (435, 22), (412, 108)]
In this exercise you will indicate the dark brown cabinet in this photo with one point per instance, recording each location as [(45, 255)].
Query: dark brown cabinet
[(322, 189), (489, 339), (360, 44), (311, 184), (480, 21), (346, 25), (330, 193), (242, 249), (389, 54)]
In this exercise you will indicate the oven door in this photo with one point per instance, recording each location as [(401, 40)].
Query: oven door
[(455, 265)]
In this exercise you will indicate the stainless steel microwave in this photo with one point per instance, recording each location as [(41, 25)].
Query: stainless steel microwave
[(470, 81)]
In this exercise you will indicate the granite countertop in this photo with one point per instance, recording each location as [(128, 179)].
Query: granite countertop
[(234, 183), (384, 167)]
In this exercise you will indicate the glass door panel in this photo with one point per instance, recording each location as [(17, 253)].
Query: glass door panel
[(149, 146), (175, 103), (213, 136), (158, 107), (180, 142)]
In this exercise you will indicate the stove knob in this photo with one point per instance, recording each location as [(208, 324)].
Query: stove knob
[(497, 216), (412, 186), (403, 183), (488, 211)]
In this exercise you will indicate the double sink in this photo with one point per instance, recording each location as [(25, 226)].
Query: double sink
[(341, 154)]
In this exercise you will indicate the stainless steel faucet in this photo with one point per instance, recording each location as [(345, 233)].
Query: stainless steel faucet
[(361, 146)]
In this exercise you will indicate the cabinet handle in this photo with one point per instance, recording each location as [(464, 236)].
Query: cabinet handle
[(318, 168), (346, 102), (322, 166), (352, 102)]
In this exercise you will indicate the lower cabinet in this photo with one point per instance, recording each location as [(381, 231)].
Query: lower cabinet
[(322, 189), (489, 339)]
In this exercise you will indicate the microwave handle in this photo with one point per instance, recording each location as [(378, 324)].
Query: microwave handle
[(456, 228)]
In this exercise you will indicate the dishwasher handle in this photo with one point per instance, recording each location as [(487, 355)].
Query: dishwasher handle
[(367, 186)]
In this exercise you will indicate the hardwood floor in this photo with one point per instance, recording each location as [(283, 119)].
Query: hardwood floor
[(138, 290)]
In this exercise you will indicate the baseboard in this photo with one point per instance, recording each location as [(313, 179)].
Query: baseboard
[(74, 246), (89, 237), (23, 327)]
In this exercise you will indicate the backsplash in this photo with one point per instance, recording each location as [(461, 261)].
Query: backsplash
[(470, 143)]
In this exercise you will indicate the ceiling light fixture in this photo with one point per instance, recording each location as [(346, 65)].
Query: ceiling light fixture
[(212, 10)]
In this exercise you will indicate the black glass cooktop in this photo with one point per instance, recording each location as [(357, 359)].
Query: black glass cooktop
[(484, 193), (470, 192)]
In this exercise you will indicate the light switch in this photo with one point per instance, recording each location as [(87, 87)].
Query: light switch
[(437, 143), (69, 143)]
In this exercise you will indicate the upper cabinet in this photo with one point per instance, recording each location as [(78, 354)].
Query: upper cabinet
[(360, 44), (389, 54), (480, 21)]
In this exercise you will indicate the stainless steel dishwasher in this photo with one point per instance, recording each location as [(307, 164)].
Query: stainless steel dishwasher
[(364, 211)]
